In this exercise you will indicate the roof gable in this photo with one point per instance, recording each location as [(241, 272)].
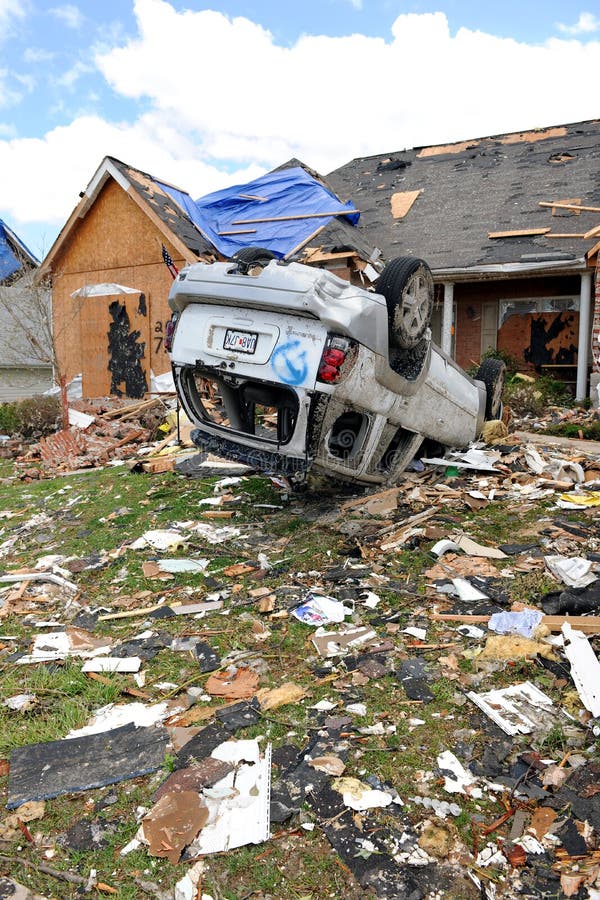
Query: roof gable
[(150, 195)]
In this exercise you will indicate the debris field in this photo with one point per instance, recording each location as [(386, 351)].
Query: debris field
[(217, 685)]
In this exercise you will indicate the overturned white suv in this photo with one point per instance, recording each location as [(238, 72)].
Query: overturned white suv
[(287, 368)]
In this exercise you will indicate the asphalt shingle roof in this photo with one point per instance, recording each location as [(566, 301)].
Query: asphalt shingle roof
[(480, 186)]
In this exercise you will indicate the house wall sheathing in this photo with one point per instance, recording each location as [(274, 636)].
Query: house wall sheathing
[(114, 234)]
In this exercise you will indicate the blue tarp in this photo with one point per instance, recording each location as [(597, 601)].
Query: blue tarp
[(12, 252), (288, 192)]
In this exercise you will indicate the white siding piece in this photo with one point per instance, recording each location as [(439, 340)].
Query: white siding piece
[(518, 709), (239, 804), (585, 668)]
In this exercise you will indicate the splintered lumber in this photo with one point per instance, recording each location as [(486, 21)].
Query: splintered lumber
[(572, 206), (523, 232), (319, 215), (132, 409), (586, 624)]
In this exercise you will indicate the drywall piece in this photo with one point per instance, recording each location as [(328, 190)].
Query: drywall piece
[(43, 771), (575, 571), (112, 664), (115, 715), (239, 804), (585, 668), (518, 709), (457, 780), (337, 643), (402, 201), (466, 591), (472, 548)]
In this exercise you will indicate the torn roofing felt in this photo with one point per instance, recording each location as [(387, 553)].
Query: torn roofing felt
[(471, 189), (234, 218), (14, 255)]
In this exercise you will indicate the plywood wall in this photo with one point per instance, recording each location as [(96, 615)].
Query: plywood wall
[(115, 242)]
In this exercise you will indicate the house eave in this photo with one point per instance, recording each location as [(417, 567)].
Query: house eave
[(498, 271)]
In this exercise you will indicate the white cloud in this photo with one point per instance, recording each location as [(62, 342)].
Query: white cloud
[(10, 12), (223, 102), (587, 23), (40, 178), (240, 95), (38, 55), (69, 15), (69, 78), (8, 95)]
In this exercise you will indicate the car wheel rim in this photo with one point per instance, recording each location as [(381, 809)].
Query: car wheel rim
[(415, 306), (497, 395)]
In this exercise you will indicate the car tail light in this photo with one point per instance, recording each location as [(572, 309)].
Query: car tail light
[(337, 351), (170, 329)]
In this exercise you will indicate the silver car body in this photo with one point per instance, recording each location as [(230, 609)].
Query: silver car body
[(265, 333)]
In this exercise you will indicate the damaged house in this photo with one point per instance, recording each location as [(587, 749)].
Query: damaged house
[(107, 267), (510, 226), (25, 329)]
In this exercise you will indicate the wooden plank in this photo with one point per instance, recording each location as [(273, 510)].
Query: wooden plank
[(586, 624), (245, 231), (303, 243), (593, 250), (573, 206), (520, 233), (593, 232), (319, 215), (317, 255), (402, 201), (565, 235)]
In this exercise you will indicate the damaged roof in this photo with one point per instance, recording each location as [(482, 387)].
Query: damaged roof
[(280, 211), (443, 202), (158, 195), (152, 197), (15, 257), (285, 211)]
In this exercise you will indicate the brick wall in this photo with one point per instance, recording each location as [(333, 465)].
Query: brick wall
[(468, 333)]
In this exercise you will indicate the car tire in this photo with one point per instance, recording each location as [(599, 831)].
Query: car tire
[(493, 374), (253, 256), (407, 285)]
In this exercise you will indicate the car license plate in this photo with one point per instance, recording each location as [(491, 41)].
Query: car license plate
[(241, 341)]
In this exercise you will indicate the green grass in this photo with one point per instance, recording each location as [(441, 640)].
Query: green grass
[(114, 507)]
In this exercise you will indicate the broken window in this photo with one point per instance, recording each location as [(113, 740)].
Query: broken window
[(522, 306)]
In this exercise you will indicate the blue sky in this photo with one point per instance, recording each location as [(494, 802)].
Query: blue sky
[(207, 95)]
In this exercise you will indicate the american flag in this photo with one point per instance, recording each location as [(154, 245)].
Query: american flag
[(169, 262)]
